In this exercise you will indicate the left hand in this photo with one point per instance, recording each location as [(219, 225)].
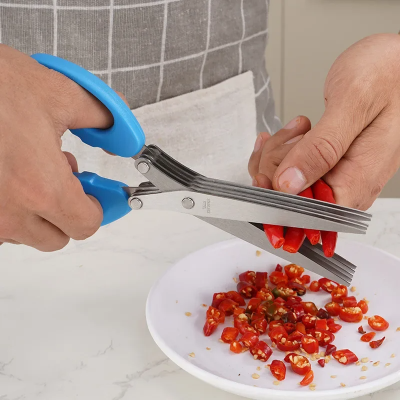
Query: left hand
[(355, 146)]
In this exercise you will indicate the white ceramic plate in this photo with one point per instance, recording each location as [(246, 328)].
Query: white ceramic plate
[(192, 282)]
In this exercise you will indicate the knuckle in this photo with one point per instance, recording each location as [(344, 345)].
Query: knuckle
[(326, 150), (88, 228), (59, 243)]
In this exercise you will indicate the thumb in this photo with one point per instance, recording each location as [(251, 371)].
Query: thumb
[(317, 152)]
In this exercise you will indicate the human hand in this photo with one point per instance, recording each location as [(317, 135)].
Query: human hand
[(355, 146), (42, 203)]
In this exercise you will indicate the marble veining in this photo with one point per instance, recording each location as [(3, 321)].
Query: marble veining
[(73, 322)]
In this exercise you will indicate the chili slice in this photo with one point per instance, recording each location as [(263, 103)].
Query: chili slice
[(294, 238), (309, 377), (261, 351), (236, 347), (275, 235), (367, 337), (378, 323), (345, 356), (278, 370), (375, 344)]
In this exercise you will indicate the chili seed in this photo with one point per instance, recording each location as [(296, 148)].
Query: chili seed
[(188, 314), (255, 376), (258, 253), (364, 368), (386, 365), (276, 383), (258, 369), (192, 355), (333, 376), (342, 385), (363, 377), (393, 356), (375, 364), (353, 289), (365, 360)]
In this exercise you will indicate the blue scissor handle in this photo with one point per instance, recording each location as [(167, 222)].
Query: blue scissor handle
[(125, 138)]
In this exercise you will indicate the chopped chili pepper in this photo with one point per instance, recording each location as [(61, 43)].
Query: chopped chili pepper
[(298, 288), (235, 296), (309, 307), (310, 344), (252, 305), (278, 268), (294, 238), (323, 314), (350, 302), (309, 321), (321, 362), (321, 324), (248, 276), (309, 377), (363, 305), (249, 339), (293, 271), (279, 301), (324, 337), (296, 336), (288, 345), (300, 327), (375, 344), (275, 235), (333, 308), (274, 324), (283, 291), (305, 279), (334, 328), (243, 326), (300, 364), (277, 277), (314, 286), (287, 357), (327, 284), (367, 337), (261, 281), (246, 289), (278, 370), (265, 294), (261, 351), (298, 311), (351, 314), (214, 317), (330, 349), (236, 347), (339, 293), (277, 334), (289, 317), (345, 357), (293, 300), (238, 311), (289, 327), (227, 306), (329, 240), (217, 299), (361, 330), (378, 323), (229, 334), (260, 325)]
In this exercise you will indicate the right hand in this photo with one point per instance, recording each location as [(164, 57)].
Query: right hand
[(42, 204)]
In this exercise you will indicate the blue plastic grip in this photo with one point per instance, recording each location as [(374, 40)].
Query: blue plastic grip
[(126, 137), (109, 193)]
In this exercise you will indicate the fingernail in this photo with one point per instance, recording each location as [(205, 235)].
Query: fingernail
[(258, 143), (295, 139), (292, 124), (255, 183), (291, 181)]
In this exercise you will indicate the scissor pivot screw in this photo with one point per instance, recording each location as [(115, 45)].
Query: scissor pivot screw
[(143, 167), (188, 203), (135, 203)]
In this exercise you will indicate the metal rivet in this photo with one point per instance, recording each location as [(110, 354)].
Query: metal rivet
[(135, 203), (188, 203), (143, 167)]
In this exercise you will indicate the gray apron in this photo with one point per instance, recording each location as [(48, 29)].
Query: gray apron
[(193, 72)]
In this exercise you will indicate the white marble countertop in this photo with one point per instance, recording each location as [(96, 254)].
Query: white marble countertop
[(73, 323)]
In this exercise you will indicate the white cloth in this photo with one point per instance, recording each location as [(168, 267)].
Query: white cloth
[(212, 131)]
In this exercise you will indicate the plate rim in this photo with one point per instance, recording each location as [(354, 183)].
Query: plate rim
[(245, 390)]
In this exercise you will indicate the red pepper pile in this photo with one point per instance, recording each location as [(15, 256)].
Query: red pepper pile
[(291, 323), (294, 237)]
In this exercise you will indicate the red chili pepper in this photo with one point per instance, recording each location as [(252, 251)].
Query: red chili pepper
[(324, 337), (248, 276), (300, 327), (314, 286), (214, 317), (277, 277), (227, 306), (249, 339), (259, 324), (323, 192), (288, 345), (307, 379), (265, 294), (217, 299), (289, 327), (321, 362), (310, 344), (378, 323), (252, 305), (361, 330), (261, 351), (229, 334), (309, 307), (367, 337), (376, 343), (246, 289), (363, 305), (278, 268), (350, 302), (309, 321), (351, 314), (276, 334), (235, 296), (300, 364), (333, 308), (305, 279), (261, 281), (345, 357), (313, 235), (278, 370), (238, 311), (293, 271), (321, 324), (275, 235), (236, 347), (339, 293), (334, 328), (330, 349), (294, 238), (327, 284)]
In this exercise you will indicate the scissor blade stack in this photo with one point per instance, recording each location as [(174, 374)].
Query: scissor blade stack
[(169, 175)]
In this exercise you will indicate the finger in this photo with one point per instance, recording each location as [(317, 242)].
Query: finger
[(8, 241), (297, 126), (40, 234), (320, 150), (262, 181), (123, 98), (255, 156), (71, 161), (65, 205)]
